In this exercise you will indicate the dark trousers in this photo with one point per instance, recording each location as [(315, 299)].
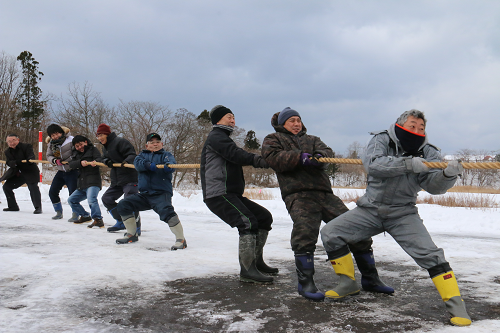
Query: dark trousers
[(161, 203), (114, 193), (62, 178), (307, 210), (16, 182), (240, 212)]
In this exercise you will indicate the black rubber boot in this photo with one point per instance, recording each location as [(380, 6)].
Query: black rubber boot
[(260, 241), (249, 272), (370, 280), (305, 272)]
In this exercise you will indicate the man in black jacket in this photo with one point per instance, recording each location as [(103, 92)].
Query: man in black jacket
[(21, 173), (223, 185), (89, 181), (123, 180)]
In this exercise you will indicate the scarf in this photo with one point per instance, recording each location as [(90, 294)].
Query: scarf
[(410, 141)]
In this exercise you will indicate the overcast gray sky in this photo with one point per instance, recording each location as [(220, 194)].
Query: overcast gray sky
[(349, 67)]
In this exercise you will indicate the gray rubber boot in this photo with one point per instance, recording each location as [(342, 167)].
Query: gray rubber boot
[(130, 235), (260, 241), (249, 272), (176, 227), (59, 211), (73, 218)]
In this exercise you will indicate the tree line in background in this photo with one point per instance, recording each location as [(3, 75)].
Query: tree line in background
[(25, 110)]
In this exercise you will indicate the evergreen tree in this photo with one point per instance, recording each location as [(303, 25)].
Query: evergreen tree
[(204, 116), (29, 101), (251, 142)]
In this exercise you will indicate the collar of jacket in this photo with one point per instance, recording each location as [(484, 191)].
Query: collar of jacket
[(392, 134), (225, 128), (161, 151), (110, 138)]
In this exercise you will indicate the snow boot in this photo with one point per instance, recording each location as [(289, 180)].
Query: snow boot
[(131, 236), (119, 223), (249, 272), (176, 227), (138, 224), (97, 223), (260, 241), (447, 286), (58, 209), (370, 280), (344, 268), (73, 218), (117, 227), (38, 210), (83, 219), (305, 271)]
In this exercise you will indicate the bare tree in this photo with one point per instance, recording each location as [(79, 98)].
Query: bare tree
[(351, 175), (136, 119), (82, 110)]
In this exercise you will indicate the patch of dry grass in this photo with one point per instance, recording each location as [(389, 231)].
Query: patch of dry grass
[(468, 200), (186, 193), (474, 189), (258, 194)]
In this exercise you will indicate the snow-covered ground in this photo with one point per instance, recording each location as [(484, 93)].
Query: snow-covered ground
[(46, 264)]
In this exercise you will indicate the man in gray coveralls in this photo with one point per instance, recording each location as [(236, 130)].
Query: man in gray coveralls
[(394, 160)]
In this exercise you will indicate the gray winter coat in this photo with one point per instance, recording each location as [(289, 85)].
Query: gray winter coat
[(392, 186), (63, 151)]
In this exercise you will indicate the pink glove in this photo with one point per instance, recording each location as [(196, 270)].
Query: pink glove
[(58, 162)]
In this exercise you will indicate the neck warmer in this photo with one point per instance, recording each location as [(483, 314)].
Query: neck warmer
[(410, 141), (224, 127)]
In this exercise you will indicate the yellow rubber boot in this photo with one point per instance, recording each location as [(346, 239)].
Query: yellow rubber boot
[(344, 268), (447, 286)]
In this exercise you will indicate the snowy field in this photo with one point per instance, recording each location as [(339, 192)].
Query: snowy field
[(48, 266)]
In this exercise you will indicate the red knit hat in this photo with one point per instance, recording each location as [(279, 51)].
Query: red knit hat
[(103, 129)]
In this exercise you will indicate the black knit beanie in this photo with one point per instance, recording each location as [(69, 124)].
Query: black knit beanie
[(218, 112), (79, 138), (54, 128)]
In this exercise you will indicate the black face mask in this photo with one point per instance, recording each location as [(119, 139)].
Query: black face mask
[(410, 141)]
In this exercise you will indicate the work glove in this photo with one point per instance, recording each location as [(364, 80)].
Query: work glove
[(305, 159), (123, 164), (416, 165), (150, 166), (108, 162), (167, 168), (260, 162), (453, 169)]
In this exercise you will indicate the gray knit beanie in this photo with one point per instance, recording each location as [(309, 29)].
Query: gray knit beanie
[(285, 114)]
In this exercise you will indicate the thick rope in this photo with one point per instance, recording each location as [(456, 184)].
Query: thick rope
[(432, 165)]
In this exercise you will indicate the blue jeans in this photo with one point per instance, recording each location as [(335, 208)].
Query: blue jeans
[(60, 179), (90, 193)]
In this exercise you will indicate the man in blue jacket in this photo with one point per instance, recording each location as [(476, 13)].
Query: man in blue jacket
[(155, 192)]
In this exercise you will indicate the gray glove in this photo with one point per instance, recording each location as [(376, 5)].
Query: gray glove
[(453, 169), (416, 165)]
